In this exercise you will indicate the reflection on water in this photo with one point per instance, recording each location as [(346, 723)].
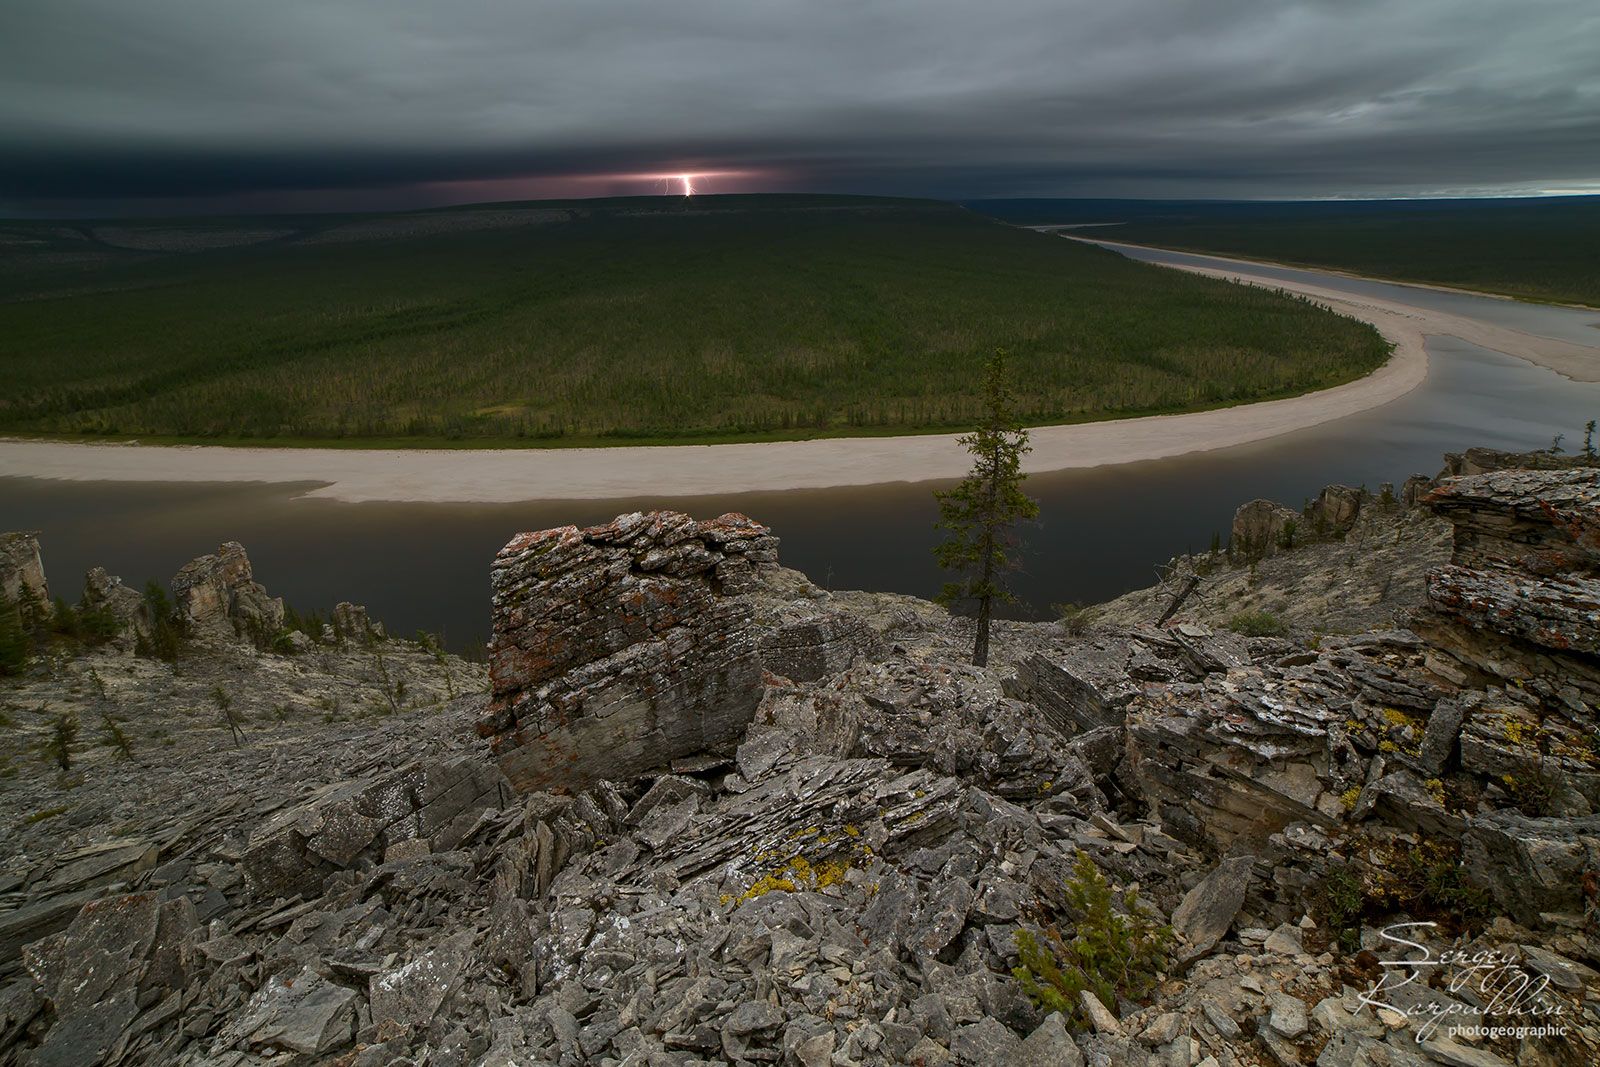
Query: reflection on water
[(425, 566)]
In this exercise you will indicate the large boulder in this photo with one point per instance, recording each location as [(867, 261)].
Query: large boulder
[(118, 956), (219, 599), (619, 647), (1533, 866)]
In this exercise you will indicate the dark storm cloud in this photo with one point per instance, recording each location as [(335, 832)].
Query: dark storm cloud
[(111, 100)]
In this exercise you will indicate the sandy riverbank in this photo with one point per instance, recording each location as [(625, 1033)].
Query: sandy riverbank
[(504, 476), (1409, 283)]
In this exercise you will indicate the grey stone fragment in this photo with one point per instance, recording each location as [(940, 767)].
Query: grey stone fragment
[(1454, 1053), (1288, 1016), (1206, 912), (1402, 801), (763, 748), (985, 1042), (1283, 1052), (1563, 973), (1286, 940), (928, 1053), (816, 1051), (1166, 1027), (1439, 736), (944, 917), (932, 1014), (753, 1016), (36, 920), (1050, 1045), (1069, 701), (998, 901), (1099, 749), (1220, 1019), (87, 1034), (1531, 865), (410, 995), (320, 1019), (1101, 1018)]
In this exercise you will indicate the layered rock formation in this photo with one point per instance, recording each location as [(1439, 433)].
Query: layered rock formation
[(1516, 603), (129, 615), (1259, 528), (725, 817), (620, 647), (218, 598), (21, 570), (1492, 707), (426, 806)]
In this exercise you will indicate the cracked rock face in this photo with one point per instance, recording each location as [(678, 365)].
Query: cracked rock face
[(106, 593), (1258, 527), (840, 878), (1518, 601), (21, 570), (619, 647), (219, 599)]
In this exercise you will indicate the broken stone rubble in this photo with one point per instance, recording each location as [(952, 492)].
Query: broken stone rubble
[(838, 879)]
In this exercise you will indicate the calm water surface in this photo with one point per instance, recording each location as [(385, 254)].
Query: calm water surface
[(426, 566)]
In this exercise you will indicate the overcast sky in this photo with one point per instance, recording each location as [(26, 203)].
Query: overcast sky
[(341, 103)]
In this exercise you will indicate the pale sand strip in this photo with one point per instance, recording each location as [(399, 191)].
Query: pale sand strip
[(696, 470), (1247, 263)]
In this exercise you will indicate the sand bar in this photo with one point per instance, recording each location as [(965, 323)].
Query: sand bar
[(510, 475)]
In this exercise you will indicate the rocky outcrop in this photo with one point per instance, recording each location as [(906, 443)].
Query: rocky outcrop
[(1335, 510), (822, 849), (1415, 488), (218, 598), (1546, 523), (352, 623), (1484, 460), (1259, 528), (21, 569), (1519, 601), (1247, 752), (619, 647), (125, 608)]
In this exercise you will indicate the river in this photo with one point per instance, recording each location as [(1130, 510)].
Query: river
[(1101, 531)]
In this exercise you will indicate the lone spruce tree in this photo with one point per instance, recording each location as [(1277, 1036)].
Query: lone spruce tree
[(982, 511)]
